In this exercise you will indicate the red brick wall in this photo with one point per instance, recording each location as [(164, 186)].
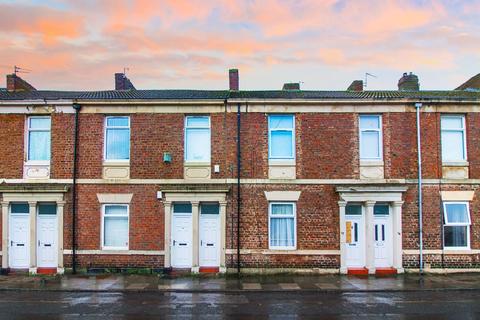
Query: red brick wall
[(12, 127), (62, 145), (327, 146), (151, 136), (90, 148), (473, 144)]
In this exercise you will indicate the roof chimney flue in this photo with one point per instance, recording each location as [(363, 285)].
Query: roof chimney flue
[(122, 82), (233, 80), (408, 82), (15, 83)]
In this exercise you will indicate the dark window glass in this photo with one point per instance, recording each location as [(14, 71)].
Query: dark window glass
[(353, 209), (19, 208), (381, 209), (182, 207), (455, 236), (47, 208), (209, 208)]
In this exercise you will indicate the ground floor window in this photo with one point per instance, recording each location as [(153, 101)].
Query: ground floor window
[(115, 226), (456, 228), (282, 225)]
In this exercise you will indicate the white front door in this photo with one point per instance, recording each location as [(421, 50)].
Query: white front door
[(383, 241), (181, 240), (355, 241), (47, 235), (19, 241), (209, 240)]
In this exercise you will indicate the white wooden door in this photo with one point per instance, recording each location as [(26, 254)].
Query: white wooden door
[(19, 241), (47, 235), (383, 241), (209, 254), (181, 246), (355, 241)]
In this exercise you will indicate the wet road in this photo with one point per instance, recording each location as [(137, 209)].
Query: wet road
[(248, 305)]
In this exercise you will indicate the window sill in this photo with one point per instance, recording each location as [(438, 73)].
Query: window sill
[(371, 163), (116, 162), (455, 164), (280, 249), (122, 249), (197, 164), (281, 162)]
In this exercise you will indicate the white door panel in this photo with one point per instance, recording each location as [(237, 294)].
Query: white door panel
[(355, 241), (209, 240), (47, 235), (181, 241), (19, 243), (383, 241)]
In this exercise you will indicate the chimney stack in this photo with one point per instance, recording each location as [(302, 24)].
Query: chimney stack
[(122, 82), (233, 79), (15, 83), (356, 85), (408, 82), (291, 86)]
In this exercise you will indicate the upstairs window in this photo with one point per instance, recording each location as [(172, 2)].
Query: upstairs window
[(281, 137), (456, 229), (454, 147), (282, 226), (197, 139), (39, 139), (370, 137), (117, 138)]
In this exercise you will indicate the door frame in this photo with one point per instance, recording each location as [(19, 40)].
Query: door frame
[(32, 197), (218, 240), (194, 197)]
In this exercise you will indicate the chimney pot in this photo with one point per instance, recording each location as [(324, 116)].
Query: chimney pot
[(233, 78), (408, 82)]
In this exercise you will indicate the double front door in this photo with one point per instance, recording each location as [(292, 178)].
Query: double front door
[(208, 241)]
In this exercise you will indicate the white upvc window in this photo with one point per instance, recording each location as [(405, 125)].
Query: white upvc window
[(39, 139), (117, 138), (456, 229), (197, 139), (115, 226), (282, 226), (454, 145), (371, 144), (281, 137)]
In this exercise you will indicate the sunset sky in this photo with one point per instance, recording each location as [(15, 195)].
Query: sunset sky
[(79, 45)]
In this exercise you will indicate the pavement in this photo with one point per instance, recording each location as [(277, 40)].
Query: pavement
[(247, 283)]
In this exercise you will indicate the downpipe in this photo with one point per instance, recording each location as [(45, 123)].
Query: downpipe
[(239, 158), (77, 108), (418, 106)]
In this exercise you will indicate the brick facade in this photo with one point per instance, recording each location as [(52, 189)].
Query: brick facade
[(326, 150)]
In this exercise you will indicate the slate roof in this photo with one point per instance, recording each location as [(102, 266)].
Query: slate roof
[(114, 95), (472, 83)]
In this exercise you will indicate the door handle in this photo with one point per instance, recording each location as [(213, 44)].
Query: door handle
[(174, 243), (201, 242), (39, 243), (11, 243)]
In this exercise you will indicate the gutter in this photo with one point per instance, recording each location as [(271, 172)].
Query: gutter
[(418, 106), (77, 108)]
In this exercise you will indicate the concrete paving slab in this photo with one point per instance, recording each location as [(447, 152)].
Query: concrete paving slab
[(251, 286), (289, 286)]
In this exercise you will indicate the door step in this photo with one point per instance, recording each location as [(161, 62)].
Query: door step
[(385, 271), (46, 270), (209, 270), (357, 271)]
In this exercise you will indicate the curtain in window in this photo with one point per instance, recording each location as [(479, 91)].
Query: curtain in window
[(116, 232), (455, 236), (282, 226), (198, 144), (452, 146), (282, 232), (118, 144), (39, 145), (370, 145), (456, 213), (282, 146)]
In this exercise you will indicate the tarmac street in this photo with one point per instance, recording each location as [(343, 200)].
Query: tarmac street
[(248, 305)]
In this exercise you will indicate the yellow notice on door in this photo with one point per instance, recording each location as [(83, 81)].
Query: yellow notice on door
[(348, 229)]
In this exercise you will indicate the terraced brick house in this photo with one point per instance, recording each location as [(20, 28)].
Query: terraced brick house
[(205, 180)]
